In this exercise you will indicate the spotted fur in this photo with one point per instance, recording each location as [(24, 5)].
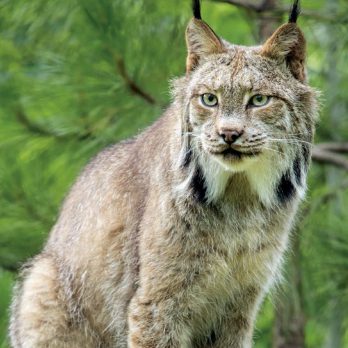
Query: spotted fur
[(173, 239)]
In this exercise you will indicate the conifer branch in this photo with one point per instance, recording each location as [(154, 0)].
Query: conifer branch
[(23, 119), (37, 129), (132, 85), (10, 268)]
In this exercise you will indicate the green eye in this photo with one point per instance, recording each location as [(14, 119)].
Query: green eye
[(259, 100), (209, 99)]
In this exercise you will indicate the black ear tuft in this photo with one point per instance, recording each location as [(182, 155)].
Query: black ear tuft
[(196, 8), (295, 11)]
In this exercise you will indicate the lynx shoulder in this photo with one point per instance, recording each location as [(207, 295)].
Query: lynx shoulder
[(173, 238)]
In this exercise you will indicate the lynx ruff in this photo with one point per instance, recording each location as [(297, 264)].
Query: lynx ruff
[(172, 239)]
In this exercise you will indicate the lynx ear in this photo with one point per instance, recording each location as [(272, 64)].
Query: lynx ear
[(288, 45), (201, 41)]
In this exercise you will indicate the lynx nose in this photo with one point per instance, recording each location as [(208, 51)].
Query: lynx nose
[(230, 135)]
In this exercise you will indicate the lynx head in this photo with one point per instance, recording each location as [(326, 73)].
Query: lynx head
[(248, 109)]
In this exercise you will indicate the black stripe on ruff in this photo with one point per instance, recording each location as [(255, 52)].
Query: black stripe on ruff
[(286, 189), (187, 158), (198, 186)]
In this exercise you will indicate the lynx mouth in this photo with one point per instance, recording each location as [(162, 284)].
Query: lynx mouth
[(235, 154), (231, 153)]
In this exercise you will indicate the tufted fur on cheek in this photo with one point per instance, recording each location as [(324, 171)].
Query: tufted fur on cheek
[(201, 42), (288, 45), (185, 155)]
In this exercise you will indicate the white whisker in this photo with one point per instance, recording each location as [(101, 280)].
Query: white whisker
[(290, 141), (273, 150), (290, 133), (191, 134)]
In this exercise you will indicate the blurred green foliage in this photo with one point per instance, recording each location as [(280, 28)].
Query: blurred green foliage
[(78, 75)]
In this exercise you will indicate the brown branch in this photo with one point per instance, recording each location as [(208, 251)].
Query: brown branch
[(135, 89), (329, 157), (245, 5), (335, 147), (263, 7)]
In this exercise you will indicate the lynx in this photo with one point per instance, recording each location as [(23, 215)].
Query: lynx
[(173, 238)]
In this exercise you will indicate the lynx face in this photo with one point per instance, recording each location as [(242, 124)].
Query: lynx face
[(248, 110), (243, 107)]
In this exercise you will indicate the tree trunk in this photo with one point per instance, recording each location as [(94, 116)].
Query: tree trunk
[(335, 333), (268, 19)]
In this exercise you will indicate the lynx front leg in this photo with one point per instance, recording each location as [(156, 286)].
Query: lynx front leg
[(39, 316), (236, 326), (164, 326), (235, 332), (156, 325)]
